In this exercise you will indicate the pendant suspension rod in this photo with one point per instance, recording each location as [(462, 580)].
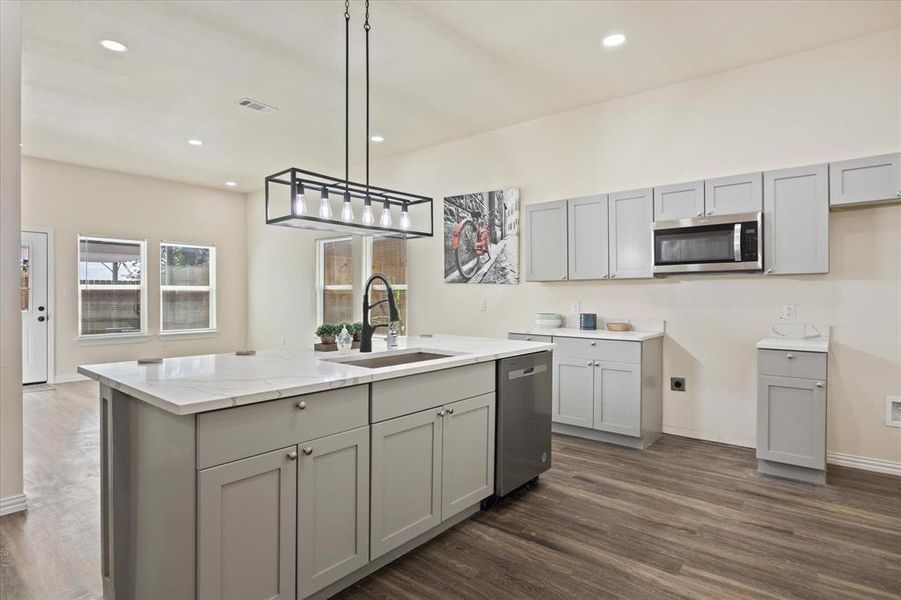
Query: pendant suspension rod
[(346, 94), (366, 28)]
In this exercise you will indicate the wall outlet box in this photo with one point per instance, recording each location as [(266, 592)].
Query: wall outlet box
[(483, 305), (789, 312), (893, 411), (677, 384), (574, 308)]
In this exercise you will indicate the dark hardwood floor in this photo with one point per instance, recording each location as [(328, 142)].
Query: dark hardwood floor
[(683, 519)]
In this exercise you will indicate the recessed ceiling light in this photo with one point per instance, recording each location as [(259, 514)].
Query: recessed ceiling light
[(196, 142), (231, 183), (614, 39), (377, 138), (114, 46)]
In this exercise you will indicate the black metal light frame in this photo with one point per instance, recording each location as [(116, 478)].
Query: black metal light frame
[(299, 179)]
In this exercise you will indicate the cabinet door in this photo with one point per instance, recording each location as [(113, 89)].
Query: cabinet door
[(871, 179), (791, 421), (617, 397), (332, 509), (588, 238), (573, 395), (246, 527), (406, 479), (467, 471), (545, 241), (796, 220), (735, 194), (679, 201), (631, 217)]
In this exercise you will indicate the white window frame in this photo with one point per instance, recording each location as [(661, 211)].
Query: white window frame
[(211, 288), (320, 274), (128, 335), (367, 273)]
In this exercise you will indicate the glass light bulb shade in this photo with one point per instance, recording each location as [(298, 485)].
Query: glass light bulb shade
[(385, 220), (325, 208), (405, 219), (368, 218), (300, 205), (347, 212)]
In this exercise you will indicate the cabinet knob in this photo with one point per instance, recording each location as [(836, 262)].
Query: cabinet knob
[(789, 356), (612, 274), (597, 363), (528, 339), (590, 363), (292, 455), (819, 384), (441, 412), (450, 411), (301, 405), (700, 213), (563, 277), (308, 450), (593, 344), (768, 271), (604, 276), (709, 212)]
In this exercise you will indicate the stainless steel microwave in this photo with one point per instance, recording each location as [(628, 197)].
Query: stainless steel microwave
[(709, 244)]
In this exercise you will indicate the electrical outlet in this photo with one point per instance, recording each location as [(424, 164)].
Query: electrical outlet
[(574, 308), (677, 384), (893, 411), (789, 311), (483, 305)]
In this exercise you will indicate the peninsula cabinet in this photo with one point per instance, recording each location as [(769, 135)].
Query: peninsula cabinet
[(631, 220), (734, 194), (679, 201), (546, 241), (865, 180), (796, 220), (588, 238)]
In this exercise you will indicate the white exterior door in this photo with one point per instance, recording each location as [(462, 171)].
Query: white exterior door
[(35, 310)]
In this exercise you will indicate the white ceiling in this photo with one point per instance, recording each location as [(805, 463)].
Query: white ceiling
[(440, 70)]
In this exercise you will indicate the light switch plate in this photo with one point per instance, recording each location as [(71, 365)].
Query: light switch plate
[(483, 305), (893, 411), (574, 308), (789, 312)]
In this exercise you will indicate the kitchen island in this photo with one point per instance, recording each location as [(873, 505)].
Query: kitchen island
[(289, 473)]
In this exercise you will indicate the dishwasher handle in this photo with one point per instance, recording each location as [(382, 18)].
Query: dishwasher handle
[(527, 372)]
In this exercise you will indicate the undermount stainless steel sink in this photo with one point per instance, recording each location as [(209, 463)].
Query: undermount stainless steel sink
[(390, 360)]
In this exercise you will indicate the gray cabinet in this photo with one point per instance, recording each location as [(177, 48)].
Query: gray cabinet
[(679, 201), (528, 337), (406, 479), (796, 220), (545, 241), (617, 397), (332, 509), (863, 180), (734, 194), (791, 421), (573, 395), (467, 466), (631, 218), (246, 527), (588, 238)]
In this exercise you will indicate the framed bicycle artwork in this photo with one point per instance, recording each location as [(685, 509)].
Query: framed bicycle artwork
[(481, 237)]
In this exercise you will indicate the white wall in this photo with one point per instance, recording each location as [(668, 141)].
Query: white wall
[(75, 200), (10, 313), (836, 102)]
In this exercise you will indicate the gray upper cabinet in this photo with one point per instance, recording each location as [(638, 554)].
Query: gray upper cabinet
[(545, 241), (734, 194), (791, 421), (573, 392), (679, 201), (467, 472), (862, 180), (246, 528), (631, 219), (617, 397), (332, 509), (406, 479), (796, 220), (588, 238)]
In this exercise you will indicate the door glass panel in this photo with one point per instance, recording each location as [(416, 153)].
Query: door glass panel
[(696, 245), (25, 277)]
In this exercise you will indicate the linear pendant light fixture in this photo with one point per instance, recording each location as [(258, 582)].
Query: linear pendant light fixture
[(299, 183)]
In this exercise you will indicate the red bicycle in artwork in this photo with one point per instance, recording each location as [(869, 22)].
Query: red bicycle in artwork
[(471, 244)]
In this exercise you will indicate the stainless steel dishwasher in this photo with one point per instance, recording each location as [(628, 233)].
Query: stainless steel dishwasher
[(523, 440)]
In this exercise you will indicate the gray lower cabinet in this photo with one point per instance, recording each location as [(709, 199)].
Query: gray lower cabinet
[(467, 466), (631, 219), (796, 220), (791, 421), (864, 180), (588, 238), (528, 337), (332, 509), (679, 201), (247, 526), (573, 396), (617, 397), (545, 241), (733, 194)]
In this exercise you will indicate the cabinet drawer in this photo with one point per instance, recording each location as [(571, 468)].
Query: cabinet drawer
[(606, 350), (784, 363), (405, 395), (528, 337), (234, 433)]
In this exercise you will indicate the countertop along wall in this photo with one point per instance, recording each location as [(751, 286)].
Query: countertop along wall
[(111, 204), (836, 102)]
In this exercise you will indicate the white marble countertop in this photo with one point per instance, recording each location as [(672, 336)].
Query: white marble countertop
[(192, 384), (816, 344), (595, 334)]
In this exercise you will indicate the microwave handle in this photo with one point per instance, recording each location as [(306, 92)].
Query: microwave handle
[(736, 242)]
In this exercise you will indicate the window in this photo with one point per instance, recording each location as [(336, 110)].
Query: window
[(187, 288), (24, 277), (112, 292), (335, 289), (387, 256)]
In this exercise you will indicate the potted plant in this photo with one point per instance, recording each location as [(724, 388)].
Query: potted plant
[(355, 329), (327, 333)]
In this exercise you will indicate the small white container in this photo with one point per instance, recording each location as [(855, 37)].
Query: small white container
[(548, 320)]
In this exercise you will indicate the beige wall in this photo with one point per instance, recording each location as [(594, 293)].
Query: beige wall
[(75, 200), (10, 314), (836, 102)]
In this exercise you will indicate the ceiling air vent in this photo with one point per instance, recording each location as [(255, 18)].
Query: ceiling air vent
[(255, 106)]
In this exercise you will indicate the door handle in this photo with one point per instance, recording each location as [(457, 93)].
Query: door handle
[(41, 319), (819, 384), (40, 309)]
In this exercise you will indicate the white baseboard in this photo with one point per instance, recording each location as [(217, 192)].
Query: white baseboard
[(70, 378), (877, 465), (13, 504), (700, 435)]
